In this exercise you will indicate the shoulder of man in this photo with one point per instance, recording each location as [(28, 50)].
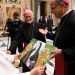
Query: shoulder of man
[(37, 23)]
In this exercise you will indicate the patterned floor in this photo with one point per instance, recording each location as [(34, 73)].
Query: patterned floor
[(4, 44)]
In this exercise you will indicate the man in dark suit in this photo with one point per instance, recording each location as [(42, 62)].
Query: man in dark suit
[(40, 20), (13, 27), (49, 23), (30, 30), (46, 22), (64, 39)]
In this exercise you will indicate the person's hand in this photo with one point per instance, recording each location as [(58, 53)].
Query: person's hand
[(16, 60), (43, 31), (55, 53), (16, 56), (38, 71), (8, 52)]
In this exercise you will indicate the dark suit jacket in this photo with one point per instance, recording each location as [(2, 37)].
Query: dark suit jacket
[(31, 31)]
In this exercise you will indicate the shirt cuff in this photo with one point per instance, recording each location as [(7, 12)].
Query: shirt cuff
[(11, 58), (26, 73)]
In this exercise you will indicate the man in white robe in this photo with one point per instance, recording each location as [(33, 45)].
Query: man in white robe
[(6, 67)]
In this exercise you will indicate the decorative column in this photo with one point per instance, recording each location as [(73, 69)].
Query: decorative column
[(37, 9), (48, 8)]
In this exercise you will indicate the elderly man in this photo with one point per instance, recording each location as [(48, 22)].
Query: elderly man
[(30, 28), (64, 39)]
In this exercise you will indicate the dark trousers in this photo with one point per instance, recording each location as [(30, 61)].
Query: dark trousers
[(14, 45)]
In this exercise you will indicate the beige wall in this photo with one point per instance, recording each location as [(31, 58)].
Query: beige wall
[(10, 8), (7, 9)]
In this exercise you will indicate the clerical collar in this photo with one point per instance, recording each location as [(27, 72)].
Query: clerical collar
[(66, 13)]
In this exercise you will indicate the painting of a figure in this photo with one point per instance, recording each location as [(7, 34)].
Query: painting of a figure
[(33, 55), (36, 53)]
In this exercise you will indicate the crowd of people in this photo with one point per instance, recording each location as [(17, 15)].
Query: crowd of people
[(21, 32)]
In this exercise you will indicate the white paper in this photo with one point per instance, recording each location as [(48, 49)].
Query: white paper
[(6, 67), (50, 66)]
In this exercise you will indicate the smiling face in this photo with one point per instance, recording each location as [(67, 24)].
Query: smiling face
[(58, 9), (28, 15)]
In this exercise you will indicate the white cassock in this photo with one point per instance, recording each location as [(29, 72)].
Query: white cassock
[(6, 67)]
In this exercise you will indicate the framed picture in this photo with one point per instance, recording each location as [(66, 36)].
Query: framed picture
[(11, 1), (36, 53)]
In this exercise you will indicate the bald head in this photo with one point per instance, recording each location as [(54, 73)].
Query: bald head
[(27, 11), (28, 15)]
